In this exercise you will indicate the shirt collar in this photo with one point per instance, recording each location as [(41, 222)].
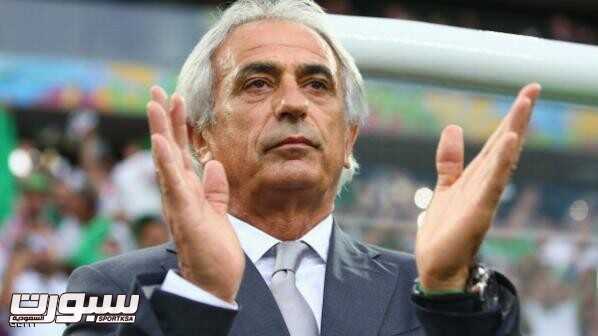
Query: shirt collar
[(319, 237), (256, 242)]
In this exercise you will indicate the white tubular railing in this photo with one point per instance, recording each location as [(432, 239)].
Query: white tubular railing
[(470, 59)]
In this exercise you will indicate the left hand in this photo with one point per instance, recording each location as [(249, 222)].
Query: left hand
[(465, 201)]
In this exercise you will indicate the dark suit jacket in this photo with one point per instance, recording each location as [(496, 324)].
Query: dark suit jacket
[(367, 291)]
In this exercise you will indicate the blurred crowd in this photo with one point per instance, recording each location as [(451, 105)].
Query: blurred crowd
[(79, 202), (74, 209)]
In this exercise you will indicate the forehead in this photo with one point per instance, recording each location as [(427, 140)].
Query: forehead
[(284, 42)]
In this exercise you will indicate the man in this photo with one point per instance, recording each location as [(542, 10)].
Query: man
[(275, 105), (149, 231)]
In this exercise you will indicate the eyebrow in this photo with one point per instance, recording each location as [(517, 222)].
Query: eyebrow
[(275, 70), (269, 68), (315, 69)]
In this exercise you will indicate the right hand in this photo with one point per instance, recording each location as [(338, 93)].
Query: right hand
[(209, 253)]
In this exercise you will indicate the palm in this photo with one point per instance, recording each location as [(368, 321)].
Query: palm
[(208, 250), (465, 201)]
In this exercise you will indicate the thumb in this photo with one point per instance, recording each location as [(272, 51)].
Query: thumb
[(215, 186), (449, 156)]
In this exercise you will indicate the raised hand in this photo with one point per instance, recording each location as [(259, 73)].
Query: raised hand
[(465, 201), (208, 250)]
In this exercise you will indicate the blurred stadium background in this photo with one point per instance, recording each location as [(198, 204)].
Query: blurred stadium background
[(77, 181)]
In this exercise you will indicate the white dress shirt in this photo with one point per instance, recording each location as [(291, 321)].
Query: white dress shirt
[(257, 244)]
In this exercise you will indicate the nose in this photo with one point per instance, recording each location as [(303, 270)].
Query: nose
[(290, 102)]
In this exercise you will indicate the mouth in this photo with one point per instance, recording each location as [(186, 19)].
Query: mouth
[(295, 141)]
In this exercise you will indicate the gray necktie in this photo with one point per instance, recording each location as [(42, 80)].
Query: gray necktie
[(297, 314)]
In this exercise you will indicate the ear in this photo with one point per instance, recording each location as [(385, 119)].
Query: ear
[(198, 141), (350, 138)]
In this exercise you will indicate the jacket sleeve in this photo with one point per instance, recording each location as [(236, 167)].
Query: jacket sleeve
[(159, 313), (466, 314)]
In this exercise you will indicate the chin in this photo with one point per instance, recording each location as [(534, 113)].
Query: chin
[(295, 176)]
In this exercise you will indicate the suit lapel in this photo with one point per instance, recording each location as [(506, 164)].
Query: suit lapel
[(258, 312), (357, 288)]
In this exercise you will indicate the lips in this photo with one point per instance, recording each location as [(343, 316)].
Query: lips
[(295, 140)]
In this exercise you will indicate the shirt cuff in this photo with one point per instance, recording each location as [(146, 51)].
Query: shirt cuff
[(175, 284)]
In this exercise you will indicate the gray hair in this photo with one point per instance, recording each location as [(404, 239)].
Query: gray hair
[(196, 78)]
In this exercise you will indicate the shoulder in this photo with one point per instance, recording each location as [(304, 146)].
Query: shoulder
[(403, 262), (395, 261), (390, 255), (117, 272), (139, 261)]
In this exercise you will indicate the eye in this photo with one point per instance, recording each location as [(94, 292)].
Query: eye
[(256, 84), (318, 85)]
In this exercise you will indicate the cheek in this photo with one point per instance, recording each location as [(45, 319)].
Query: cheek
[(340, 145), (336, 130), (239, 129), (335, 146)]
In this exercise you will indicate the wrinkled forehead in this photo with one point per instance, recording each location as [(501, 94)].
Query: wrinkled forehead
[(287, 43)]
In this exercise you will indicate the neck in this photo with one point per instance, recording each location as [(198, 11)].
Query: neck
[(283, 214)]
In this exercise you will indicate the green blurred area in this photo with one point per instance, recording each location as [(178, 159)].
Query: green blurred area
[(7, 143)]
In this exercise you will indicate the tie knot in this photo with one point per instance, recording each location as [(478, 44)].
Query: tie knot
[(289, 254)]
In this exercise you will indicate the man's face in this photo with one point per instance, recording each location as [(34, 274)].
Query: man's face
[(154, 233), (279, 111)]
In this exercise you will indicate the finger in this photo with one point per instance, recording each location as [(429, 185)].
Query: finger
[(158, 120), (215, 186), (179, 128), (520, 126), (159, 96), (521, 115), (449, 156), (171, 180), (500, 170), (522, 110), (516, 121), (518, 117), (178, 116)]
